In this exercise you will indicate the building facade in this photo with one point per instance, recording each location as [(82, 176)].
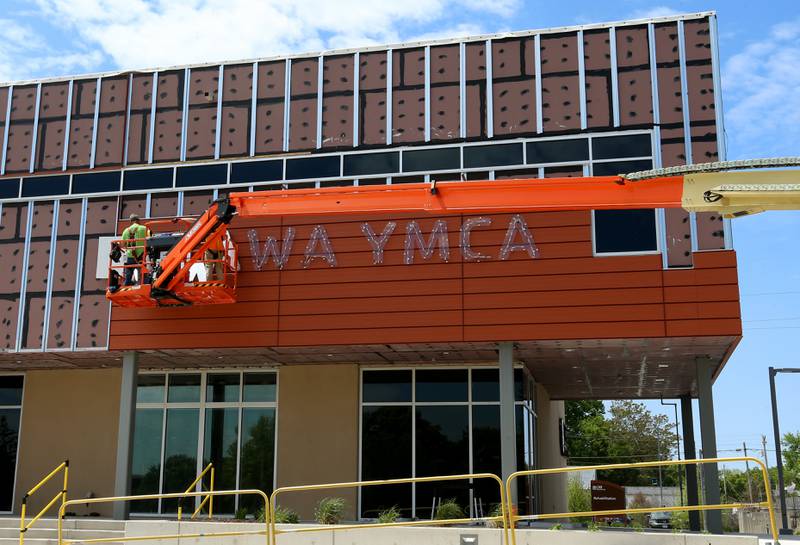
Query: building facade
[(363, 361)]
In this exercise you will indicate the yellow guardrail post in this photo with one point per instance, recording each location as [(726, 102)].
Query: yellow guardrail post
[(512, 519), (177, 495), (199, 479), (503, 518), (62, 494), (211, 501)]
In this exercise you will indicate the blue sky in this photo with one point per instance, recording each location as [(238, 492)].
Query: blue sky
[(760, 51)]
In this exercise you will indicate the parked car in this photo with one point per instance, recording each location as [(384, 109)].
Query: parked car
[(661, 519)]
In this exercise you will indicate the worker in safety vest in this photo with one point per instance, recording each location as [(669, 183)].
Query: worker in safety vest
[(214, 258), (133, 239)]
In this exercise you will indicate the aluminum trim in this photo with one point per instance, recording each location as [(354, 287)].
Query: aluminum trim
[(127, 121), (150, 144), (427, 93), (220, 87), (287, 100), (187, 77), (5, 129), (687, 129), (24, 278), (68, 121), (389, 73), (722, 137), (48, 298), (95, 122), (651, 40), (612, 42), (462, 90), (320, 83), (35, 131), (582, 80), (356, 100), (537, 54), (179, 211), (489, 91), (148, 201), (253, 109)]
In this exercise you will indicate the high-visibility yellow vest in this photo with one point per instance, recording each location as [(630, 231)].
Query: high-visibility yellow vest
[(129, 237)]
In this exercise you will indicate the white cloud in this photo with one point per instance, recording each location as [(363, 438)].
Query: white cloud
[(147, 33), (761, 88), (656, 11), (23, 52)]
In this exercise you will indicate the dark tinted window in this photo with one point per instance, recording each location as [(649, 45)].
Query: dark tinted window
[(150, 389), (202, 175), (386, 386), (385, 454), (442, 385), (621, 167), (222, 387), (558, 151), (485, 385), (257, 171), (11, 390), (625, 231), (371, 163), (154, 178), (612, 147), (260, 386), (431, 159), (96, 183), (312, 167), (183, 388), (9, 189), (486, 450), (492, 156), (336, 183), (45, 185)]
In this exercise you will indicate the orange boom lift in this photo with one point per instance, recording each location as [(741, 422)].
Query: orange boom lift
[(170, 274)]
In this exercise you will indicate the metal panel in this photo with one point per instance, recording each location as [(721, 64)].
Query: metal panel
[(462, 90), (152, 118), (218, 129), (50, 127), (582, 78), (443, 104), (612, 41), (304, 104), (6, 125), (389, 98), (336, 122), (79, 275), (93, 151), (489, 93), (13, 233), (287, 102), (24, 277), (537, 48), (687, 133), (187, 77), (320, 85), (202, 108), (356, 73), (253, 105), (50, 267), (32, 162)]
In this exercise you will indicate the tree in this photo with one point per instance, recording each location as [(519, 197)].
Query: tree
[(791, 454)]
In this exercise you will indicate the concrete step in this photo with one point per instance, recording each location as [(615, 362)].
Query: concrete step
[(35, 532), (83, 523)]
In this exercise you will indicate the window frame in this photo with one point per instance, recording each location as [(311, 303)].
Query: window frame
[(528, 408), (202, 406), (659, 235), (19, 434)]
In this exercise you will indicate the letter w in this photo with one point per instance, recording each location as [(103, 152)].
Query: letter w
[(270, 249)]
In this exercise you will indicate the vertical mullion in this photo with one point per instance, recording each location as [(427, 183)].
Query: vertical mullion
[(220, 88), (150, 144), (722, 145), (612, 42), (179, 212), (95, 122), (238, 454), (537, 55), (67, 123), (253, 109), (462, 89), (79, 275), (24, 277), (470, 439), (356, 101), (201, 435), (187, 78), (51, 265), (687, 130), (413, 442), (651, 38), (127, 121), (582, 80), (163, 445), (489, 91), (35, 132), (148, 201), (5, 129), (389, 73), (287, 100), (320, 80), (427, 92)]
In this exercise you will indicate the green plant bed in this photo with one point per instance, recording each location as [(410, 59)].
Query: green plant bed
[(330, 510)]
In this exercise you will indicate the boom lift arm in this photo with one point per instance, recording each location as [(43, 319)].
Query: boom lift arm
[(731, 194)]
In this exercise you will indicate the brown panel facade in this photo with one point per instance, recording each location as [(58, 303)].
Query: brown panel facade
[(445, 110), (633, 76), (13, 223), (560, 93), (337, 101), (597, 63), (169, 117), (372, 98), (237, 88), (270, 108), (93, 309), (139, 130), (162, 205), (201, 135), (20, 130), (63, 276), (110, 146), (303, 105), (38, 267), (81, 125), (408, 95), (52, 124), (475, 79)]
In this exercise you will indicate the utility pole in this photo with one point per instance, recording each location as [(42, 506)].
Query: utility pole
[(777, 432), (724, 485), (747, 468), (677, 451), (766, 460)]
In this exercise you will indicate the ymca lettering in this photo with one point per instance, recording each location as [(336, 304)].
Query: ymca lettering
[(518, 238)]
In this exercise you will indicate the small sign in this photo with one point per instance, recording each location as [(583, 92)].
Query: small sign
[(607, 496)]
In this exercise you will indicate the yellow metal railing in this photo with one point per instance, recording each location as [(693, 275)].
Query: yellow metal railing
[(23, 526), (503, 518), (177, 495), (209, 499), (512, 518)]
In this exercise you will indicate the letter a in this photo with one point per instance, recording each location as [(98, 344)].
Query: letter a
[(518, 225), (270, 249), (319, 236)]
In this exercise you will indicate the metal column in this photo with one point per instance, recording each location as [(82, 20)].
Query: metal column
[(508, 431), (127, 417), (708, 435), (689, 453)]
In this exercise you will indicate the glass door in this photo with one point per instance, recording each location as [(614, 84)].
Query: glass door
[(10, 413)]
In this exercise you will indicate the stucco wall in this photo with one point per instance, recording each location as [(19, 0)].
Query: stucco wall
[(553, 488), (318, 433), (69, 414)]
